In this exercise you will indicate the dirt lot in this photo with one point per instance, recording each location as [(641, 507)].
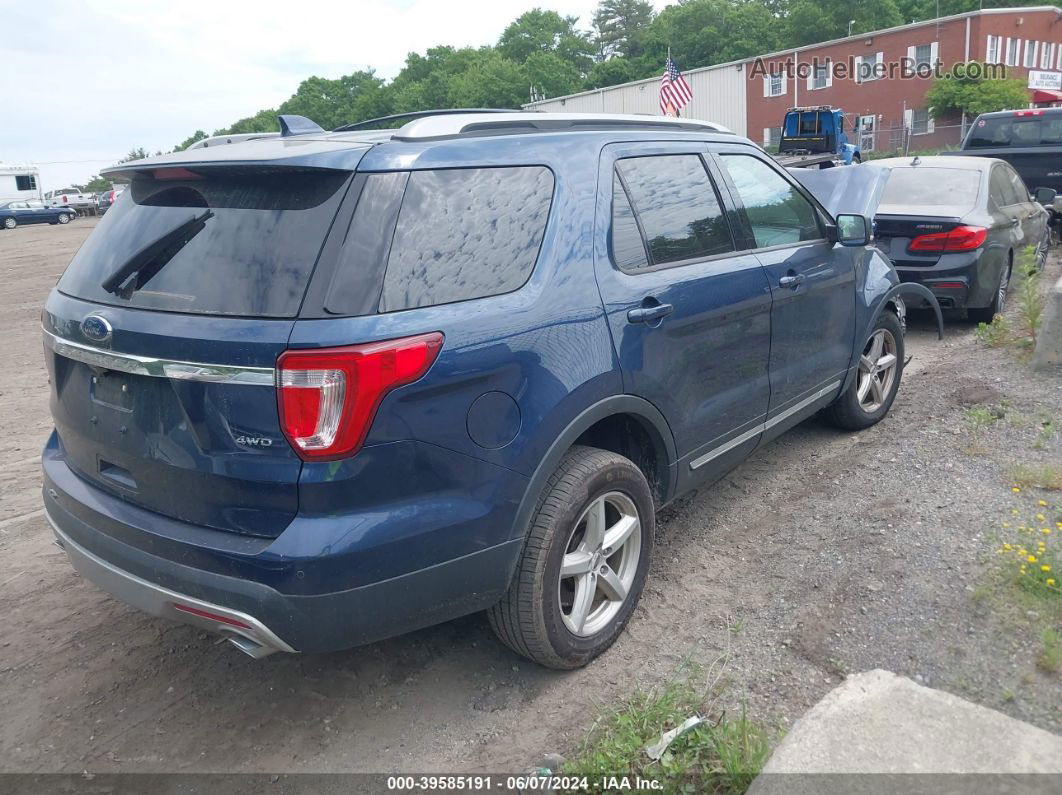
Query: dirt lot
[(827, 553)]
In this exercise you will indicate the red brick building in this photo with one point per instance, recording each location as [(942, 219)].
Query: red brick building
[(854, 73), (861, 74)]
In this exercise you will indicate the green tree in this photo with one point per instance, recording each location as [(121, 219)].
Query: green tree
[(811, 21), (613, 72), (333, 103), (198, 135), (950, 95), (493, 81), (552, 75), (135, 154), (262, 121), (620, 25), (538, 31), (425, 81)]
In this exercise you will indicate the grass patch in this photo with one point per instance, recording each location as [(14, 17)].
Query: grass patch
[(1042, 476), (722, 755), (1050, 657), (1029, 300)]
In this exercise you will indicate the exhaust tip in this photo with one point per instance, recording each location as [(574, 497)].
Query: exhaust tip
[(251, 648)]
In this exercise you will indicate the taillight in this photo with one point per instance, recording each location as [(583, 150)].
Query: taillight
[(961, 238), (65, 199), (329, 396)]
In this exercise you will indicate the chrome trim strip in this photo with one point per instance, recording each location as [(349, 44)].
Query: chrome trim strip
[(159, 601), (726, 447), (160, 368)]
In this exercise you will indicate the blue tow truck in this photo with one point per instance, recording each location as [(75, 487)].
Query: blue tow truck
[(814, 137)]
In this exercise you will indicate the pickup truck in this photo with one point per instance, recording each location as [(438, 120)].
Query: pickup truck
[(69, 197), (1031, 141)]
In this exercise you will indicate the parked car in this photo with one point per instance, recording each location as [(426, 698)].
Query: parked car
[(71, 198), (957, 225), (313, 397), (13, 214), (104, 199), (1031, 141)]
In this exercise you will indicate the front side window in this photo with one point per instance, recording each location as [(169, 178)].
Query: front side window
[(778, 213), (466, 233), (678, 207)]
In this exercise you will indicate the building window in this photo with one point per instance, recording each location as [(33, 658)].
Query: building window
[(1047, 54), (992, 49), (1013, 46), (923, 54), (776, 85), (869, 66), (1032, 48), (820, 76), (25, 182), (920, 122)]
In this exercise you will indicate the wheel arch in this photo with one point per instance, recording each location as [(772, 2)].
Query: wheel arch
[(614, 411)]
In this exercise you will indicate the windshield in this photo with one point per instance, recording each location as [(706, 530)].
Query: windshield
[(233, 242), (951, 188), (1005, 131)]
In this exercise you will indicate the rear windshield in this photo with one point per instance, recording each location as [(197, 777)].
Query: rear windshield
[(233, 242), (1017, 131), (932, 187)]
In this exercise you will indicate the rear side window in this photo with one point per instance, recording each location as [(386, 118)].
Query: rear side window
[(228, 242), (778, 213), (1007, 131), (628, 249), (466, 233), (678, 207), (1002, 189)]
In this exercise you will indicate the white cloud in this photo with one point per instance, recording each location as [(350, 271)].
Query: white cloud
[(96, 80)]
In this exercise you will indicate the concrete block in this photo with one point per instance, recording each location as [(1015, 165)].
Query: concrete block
[(1048, 351)]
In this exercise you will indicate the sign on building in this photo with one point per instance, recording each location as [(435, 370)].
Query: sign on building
[(1046, 81)]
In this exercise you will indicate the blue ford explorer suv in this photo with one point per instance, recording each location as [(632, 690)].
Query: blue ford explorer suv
[(315, 389)]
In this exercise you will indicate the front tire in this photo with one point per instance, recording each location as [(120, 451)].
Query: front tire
[(10, 223), (584, 564), (871, 393)]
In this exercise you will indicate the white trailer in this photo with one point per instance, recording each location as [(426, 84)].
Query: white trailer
[(19, 181)]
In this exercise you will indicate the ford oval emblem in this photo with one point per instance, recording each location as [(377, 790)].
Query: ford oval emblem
[(96, 328)]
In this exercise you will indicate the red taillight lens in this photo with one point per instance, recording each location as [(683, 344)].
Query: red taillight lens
[(329, 396), (65, 199), (961, 238)]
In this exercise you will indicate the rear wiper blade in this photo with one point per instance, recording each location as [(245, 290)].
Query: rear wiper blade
[(146, 263)]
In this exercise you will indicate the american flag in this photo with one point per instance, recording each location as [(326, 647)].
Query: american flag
[(675, 92)]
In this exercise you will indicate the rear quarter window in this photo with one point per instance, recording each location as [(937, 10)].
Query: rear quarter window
[(466, 233)]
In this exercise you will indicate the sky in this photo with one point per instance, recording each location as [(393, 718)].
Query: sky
[(80, 88)]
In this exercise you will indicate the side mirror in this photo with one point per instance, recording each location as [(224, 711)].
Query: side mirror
[(852, 230), (1046, 196)]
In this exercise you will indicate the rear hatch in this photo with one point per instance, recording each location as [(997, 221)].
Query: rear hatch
[(920, 201), (162, 336)]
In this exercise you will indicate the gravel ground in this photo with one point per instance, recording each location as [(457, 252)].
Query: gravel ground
[(825, 553)]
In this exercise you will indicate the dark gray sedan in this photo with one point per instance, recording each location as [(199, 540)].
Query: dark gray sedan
[(958, 225)]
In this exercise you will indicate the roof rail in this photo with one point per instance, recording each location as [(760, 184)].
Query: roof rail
[(236, 138), (417, 114), (435, 126)]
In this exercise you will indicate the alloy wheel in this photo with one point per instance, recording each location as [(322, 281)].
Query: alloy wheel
[(9, 223), (1042, 247), (1004, 283), (877, 370), (600, 563)]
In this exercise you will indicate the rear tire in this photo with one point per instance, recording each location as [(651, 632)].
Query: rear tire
[(999, 299), (585, 562), (10, 223), (871, 393)]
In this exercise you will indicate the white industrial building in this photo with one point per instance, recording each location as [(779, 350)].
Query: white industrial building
[(718, 94)]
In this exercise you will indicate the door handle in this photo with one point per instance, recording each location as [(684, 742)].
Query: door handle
[(649, 314), (793, 280)]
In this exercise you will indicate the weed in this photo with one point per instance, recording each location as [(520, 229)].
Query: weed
[(1045, 435), (1050, 657), (1033, 555), (1040, 475), (737, 626), (721, 756), (1028, 295), (994, 334), (1008, 695)]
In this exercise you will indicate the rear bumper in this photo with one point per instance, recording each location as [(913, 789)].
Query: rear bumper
[(132, 554), (957, 280), (245, 631)]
